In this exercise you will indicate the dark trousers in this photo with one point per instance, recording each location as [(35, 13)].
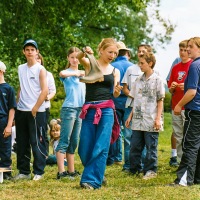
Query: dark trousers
[(189, 168), (5, 145), (30, 133), (139, 140), (46, 132)]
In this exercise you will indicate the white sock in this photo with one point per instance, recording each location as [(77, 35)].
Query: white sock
[(174, 152)]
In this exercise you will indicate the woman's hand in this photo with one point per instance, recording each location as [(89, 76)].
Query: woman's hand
[(118, 88), (88, 50)]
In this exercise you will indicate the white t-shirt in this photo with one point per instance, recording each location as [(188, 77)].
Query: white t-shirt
[(129, 78), (30, 88), (13, 135), (51, 87), (55, 144)]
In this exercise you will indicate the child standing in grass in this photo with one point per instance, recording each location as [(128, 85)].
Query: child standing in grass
[(30, 115), (176, 88), (70, 121), (7, 112), (148, 93)]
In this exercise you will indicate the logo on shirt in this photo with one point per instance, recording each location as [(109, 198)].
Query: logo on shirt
[(181, 75), (32, 77)]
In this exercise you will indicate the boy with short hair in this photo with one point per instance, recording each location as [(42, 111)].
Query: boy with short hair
[(173, 160), (128, 80), (7, 112), (146, 117), (176, 88), (30, 114)]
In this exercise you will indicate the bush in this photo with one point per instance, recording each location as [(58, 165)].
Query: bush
[(167, 102)]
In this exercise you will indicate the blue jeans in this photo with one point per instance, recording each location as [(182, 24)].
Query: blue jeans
[(70, 129), (94, 145), (115, 151), (5, 145), (127, 139), (30, 132), (138, 140)]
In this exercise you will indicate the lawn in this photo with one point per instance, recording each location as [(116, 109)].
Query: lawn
[(120, 185)]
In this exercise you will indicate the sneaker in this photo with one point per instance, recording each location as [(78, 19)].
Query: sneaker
[(118, 162), (87, 186), (173, 185), (37, 177), (74, 174), (62, 175), (149, 174), (22, 176), (173, 162), (7, 176)]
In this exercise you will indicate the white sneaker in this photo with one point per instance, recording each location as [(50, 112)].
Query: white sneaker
[(149, 174), (37, 177), (22, 176)]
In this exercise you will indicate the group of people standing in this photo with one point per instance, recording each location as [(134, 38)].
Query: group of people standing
[(123, 94), (184, 85)]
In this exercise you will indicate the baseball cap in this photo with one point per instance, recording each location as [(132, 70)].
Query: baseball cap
[(2, 67), (30, 41), (122, 46)]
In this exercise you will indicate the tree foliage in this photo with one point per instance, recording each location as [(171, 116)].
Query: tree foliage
[(59, 24)]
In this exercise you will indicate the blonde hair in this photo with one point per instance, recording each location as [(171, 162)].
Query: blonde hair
[(41, 58), (52, 123), (106, 42), (195, 40), (149, 57)]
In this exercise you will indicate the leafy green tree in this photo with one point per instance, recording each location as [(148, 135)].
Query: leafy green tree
[(59, 24)]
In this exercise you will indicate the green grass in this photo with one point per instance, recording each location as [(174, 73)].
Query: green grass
[(120, 185)]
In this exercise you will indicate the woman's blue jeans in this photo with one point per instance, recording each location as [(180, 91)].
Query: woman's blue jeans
[(70, 129), (94, 146)]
